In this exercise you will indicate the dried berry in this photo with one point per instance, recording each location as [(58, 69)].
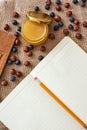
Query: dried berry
[(75, 1), (47, 7), (71, 19), (69, 13), (14, 22), (78, 35), (84, 24), (15, 15), (75, 27), (16, 34), (6, 27), (58, 7), (12, 78), (70, 27), (9, 62), (17, 62), (4, 82), (17, 42), (19, 29), (29, 53), (51, 36), (60, 24), (67, 5), (56, 27), (26, 63), (42, 48), (58, 2), (52, 14), (66, 31), (12, 71), (18, 74), (40, 57), (13, 58), (14, 49), (76, 21), (31, 47), (57, 18), (36, 8), (48, 2), (26, 48)]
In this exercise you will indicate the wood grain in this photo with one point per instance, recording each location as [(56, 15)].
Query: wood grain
[(6, 44)]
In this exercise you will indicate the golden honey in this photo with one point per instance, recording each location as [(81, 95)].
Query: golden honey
[(35, 30)]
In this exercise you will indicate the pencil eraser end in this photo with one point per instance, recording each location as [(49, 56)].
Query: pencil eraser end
[(85, 126)]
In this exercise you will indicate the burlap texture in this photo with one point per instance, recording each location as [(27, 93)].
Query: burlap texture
[(7, 7)]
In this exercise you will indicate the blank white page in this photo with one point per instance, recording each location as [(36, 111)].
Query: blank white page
[(28, 107), (64, 72)]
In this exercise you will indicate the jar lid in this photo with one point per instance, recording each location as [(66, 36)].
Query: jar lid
[(35, 33), (39, 17)]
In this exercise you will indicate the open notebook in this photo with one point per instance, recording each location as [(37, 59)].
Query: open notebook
[(63, 71)]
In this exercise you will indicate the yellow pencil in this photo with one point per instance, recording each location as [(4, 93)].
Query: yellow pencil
[(61, 104)]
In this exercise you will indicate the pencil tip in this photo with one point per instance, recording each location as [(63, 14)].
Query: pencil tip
[(85, 126)]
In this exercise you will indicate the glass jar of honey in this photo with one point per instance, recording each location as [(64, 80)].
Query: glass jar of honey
[(35, 29)]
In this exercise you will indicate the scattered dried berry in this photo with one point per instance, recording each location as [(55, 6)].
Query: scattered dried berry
[(60, 24), (6, 27), (48, 2), (9, 62), (26, 48), (78, 35), (14, 22), (75, 27), (42, 48), (17, 42), (15, 15), (76, 21), (47, 7), (17, 62), (56, 27), (51, 36), (4, 82), (52, 14), (40, 57), (16, 34), (67, 5), (18, 74), (19, 29), (27, 63), (70, 27), (57, 18), (36, 8), (14, 49), (58, 7), (84, 24), (12, 71), (71, 19), (66, 32), (31, 47), (75, 1), (69, 13), (13, 58), (58, 2), (29, 53), (12, 78), (83, 4)]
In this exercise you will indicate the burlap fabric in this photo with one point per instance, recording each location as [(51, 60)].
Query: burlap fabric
[(7, 7)]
